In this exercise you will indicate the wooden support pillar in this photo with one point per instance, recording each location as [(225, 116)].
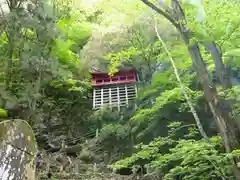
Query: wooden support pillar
[(114, 96), (126, 92), (118, 98), (110, 97), (102, 97), (135, 95), (94, 98)]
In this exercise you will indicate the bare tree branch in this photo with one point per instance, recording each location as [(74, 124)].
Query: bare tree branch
[(160, 11)]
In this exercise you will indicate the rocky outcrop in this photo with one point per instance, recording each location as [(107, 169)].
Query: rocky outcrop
[(17, 150), (90, 176)]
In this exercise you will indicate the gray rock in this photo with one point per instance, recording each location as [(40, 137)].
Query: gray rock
[(18, 150)]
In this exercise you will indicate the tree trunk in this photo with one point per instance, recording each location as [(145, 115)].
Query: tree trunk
[(219, 65), (222, 74), (226, 125)]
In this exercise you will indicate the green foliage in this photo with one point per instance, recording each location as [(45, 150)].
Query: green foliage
[(40, 80), (194, 160), (3, 113), (112, 130), (161, 101), (74, 35), (170, 158), (119, 11), (169, 96), (44, 79)]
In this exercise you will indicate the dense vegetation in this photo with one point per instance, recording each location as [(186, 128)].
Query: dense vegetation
[(186, 55)]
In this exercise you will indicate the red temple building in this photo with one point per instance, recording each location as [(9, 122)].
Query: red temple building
[(118, 90)]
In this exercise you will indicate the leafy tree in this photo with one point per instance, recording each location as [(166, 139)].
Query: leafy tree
[(226, 124), (41, 80), (185, 158)]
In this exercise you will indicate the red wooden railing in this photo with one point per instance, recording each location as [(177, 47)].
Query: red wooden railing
[(122, 77)]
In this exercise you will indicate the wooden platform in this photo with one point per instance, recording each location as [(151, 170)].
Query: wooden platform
[(114, 95)]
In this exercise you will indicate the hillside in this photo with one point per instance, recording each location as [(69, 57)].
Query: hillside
[(185, 120)]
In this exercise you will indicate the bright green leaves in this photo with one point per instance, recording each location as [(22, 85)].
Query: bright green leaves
[(188, 159), (3, 113), (166, 98), (169, 96), (73, 35), (218, 22), (231, 59), (233, 52), (144, 155), (195, 159), (3, 39), (80, 33), (125, 56), (64, 54), (3, 46), (75, 28)]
